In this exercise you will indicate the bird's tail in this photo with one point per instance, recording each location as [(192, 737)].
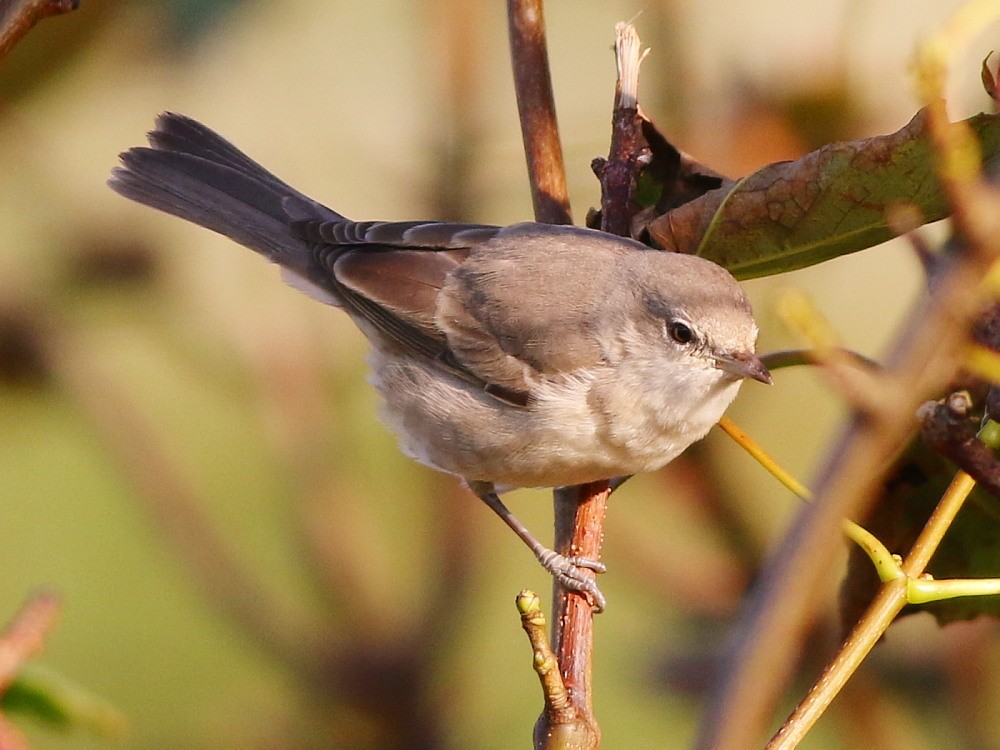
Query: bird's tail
[(194, 173)]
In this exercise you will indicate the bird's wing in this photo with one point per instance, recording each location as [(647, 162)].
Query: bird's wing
[(531, 309), (391, 274), (504, 308)]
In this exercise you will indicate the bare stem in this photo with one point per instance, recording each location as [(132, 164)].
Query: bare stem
[(579, 511), (18, 17), (892, 597), (580, 515), (537, 110)]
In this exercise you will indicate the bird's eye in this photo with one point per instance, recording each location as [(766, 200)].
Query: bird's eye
[(681, 333)]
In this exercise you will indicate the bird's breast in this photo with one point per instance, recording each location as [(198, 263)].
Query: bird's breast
[(578, 428)]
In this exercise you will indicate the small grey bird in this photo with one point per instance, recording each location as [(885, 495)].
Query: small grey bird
[(523, 356)]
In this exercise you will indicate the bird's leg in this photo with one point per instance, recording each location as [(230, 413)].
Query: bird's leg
[(567, 570)]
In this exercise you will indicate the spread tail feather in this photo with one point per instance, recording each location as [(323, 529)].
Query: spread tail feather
[(192, 172)]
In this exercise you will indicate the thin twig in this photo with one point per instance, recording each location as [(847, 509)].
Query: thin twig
[(885, 564), (18, 17), (557, 698), (861, 387), (926, 356), (537, 111), (892, 597)]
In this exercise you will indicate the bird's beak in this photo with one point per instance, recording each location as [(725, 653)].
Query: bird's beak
[(744, 365)]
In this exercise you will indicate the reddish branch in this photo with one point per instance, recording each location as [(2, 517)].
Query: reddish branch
[(574, 617), (580, 510)]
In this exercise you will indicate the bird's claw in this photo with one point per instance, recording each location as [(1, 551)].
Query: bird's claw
[(569, 572), (585, 562)]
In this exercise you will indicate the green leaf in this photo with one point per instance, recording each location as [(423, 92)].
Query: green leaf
[(829, 203), (54, 701)]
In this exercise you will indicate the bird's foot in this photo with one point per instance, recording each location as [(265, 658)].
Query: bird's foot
[(571, 574)]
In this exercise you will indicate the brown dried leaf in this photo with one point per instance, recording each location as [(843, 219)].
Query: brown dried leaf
[(989, 80)]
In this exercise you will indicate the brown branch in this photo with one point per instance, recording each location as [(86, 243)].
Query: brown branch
[(537, 111), (18, 17), (580, 511), (579, 520), (579, 531)]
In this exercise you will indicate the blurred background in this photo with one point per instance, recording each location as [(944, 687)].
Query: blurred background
[(189, 453)]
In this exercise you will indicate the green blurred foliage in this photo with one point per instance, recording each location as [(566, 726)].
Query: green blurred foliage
[(55, 702)]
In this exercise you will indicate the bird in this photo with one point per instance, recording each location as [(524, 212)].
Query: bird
[(530, 355)]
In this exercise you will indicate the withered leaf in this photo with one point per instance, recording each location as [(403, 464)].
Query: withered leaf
[(669, 179), (829, 203), (672, 177), (989, 80)]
